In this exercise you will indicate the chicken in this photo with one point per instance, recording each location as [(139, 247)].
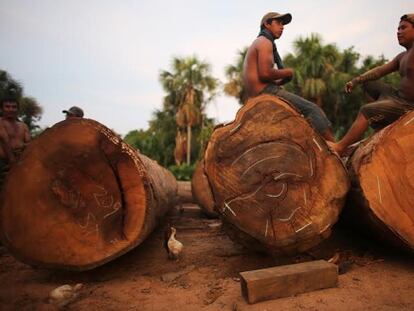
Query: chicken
[(63, 295), (174, 246)]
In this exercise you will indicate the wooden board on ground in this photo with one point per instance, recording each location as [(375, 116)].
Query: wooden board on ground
[(289, 280)]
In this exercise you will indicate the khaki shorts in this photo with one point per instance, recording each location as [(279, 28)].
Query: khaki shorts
[(387, 108)]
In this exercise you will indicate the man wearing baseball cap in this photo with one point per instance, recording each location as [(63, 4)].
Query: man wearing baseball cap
[(388, 104), (261, 77), (73, 112)]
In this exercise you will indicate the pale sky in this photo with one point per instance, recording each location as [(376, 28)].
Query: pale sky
[(106, 56)]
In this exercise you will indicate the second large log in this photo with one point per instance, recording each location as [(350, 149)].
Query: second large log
[(382, 194), (274, 180)]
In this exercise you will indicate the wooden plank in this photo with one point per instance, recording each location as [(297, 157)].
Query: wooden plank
[(284, 281)]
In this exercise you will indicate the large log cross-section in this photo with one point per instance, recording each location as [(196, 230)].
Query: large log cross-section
[(80, 197), (274, 179)]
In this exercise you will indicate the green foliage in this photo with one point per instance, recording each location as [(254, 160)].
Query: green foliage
[(183, 171), (189, 87), (321, 72), (158, 141), (234, 86), (30, 112)]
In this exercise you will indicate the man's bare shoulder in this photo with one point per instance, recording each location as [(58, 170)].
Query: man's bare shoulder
[(261, 41), (22, 124)]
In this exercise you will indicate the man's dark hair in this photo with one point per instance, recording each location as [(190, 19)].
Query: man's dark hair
[(9, 99), (408, 18), (268, 21)]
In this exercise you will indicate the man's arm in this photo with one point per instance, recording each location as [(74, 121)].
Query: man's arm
[(26, 137), (375, 73), (5, 145), (265, 62)]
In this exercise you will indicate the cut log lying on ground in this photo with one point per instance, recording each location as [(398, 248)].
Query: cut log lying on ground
[(184, 193), (382, 192), (202, 190), (80, 197), (274, 179)]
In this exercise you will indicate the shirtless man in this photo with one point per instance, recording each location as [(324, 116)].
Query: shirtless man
[(14, 134), (261, 77), (390, 104)]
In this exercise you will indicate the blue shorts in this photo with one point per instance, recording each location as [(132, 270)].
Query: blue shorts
[(309, 110)]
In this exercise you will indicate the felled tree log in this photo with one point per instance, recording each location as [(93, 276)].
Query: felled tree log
[(202, 191), (184, 193), (80, 197), (273, 178), (382, 192)]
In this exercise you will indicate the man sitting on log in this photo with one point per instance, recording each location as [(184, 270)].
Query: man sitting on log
[(14, 134), (73, 112), (390, 104), (260, 76)]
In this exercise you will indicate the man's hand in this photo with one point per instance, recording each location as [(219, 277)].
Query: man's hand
[(290, 72), (349, 86)]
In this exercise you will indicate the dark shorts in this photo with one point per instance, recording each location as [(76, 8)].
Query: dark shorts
[(309, 110), (387, 107), (4, 169)]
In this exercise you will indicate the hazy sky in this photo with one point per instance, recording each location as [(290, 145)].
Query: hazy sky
[(106, 56)]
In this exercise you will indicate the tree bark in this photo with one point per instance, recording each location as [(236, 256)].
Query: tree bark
[(273, 178), (80, 197), (202, 191), (382, 193), (184, 193), (188, 144)]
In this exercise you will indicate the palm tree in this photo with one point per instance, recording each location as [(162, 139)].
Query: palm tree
[(234, 86), (189, 88), (313, 63)]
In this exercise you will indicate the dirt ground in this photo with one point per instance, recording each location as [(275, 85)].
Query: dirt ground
[(206, 277)]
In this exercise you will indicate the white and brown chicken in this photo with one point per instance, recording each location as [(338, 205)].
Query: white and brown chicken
[(171, 244)]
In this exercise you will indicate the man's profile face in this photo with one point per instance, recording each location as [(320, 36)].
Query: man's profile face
[(405, 34), (275, 27), (10, 109)]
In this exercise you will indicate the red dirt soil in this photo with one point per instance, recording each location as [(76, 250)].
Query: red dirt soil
[(206, 277)]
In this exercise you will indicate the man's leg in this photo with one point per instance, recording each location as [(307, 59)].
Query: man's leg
[(377, 90), (378, 115), (328, 135), (354, 133), (311, 112)]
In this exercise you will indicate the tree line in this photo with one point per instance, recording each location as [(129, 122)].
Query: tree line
[(321, 71), (178, 132)]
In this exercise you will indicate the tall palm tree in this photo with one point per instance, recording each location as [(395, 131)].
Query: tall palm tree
[(313, 63), (234, 86), (189, 86)]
